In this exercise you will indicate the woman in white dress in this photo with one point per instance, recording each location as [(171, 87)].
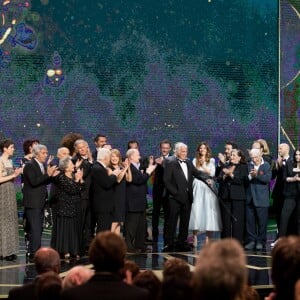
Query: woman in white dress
[(205, 213)]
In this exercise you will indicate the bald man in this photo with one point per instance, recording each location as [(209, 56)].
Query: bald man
[(45, 260)]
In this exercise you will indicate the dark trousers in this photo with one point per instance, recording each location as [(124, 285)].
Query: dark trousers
[(291, 205), (34, 221), (278, 201), (159, 202), (104, 221), (233, 219), (85, 224), (135, 226), (256, 223), (182, 211)]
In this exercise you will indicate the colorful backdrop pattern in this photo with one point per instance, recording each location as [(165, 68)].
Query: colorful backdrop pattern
[(149, 70)]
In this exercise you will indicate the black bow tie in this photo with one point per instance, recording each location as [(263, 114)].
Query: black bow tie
[(182, 161)]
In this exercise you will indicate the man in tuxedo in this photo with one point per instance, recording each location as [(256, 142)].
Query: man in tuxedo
[(178, 177), (160, 197), (45, 260), (107, 254), (103, 181), (36, 177), (277, 172), (83, 160), (257, 202)]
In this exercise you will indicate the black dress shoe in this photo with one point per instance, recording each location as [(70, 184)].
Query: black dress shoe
[(11, 257), (259, 246), (250, 246), (168, 248)]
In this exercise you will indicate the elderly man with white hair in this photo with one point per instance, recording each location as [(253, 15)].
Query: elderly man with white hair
[(103, 181), (179, 174), (257, 203)]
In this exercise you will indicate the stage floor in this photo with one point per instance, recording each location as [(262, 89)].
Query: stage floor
[(18, 272)]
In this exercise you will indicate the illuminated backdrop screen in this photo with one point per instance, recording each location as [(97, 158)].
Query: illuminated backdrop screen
[(184, 70)]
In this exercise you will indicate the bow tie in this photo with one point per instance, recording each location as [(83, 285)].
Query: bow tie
[(182, 161)]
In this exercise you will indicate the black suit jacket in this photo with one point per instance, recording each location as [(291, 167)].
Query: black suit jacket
[(178, 187), (105, 286), (102, 189), (35, 185), (278, 173), (234, 188), (136, 190), (290, 189), (86, 167), (27, 291), (159, 190)]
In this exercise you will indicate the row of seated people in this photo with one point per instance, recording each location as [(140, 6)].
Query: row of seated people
[(220, 273)]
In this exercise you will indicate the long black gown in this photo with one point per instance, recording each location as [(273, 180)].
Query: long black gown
[(66, 230)]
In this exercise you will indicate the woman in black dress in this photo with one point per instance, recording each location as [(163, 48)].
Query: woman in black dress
[(119, 189), (66, 229)]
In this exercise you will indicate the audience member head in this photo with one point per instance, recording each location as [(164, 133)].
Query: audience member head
[(283, 150), (264, 146), (47, 259), (256, 156), (81, 147), (40, 152), (103, 155), (296, 155), (286, 266), (221, 271), (66, 165), (250, 293), (63, 152), (203, 153), (133, 144), (77, 276), (165, 147), (48, 286), (149, 281), (133, 155), (229, 146), (28, 144), (177, 280), (107, 252), (5, 144), (68, 141), (115, 157), (237, 156), (129, 266), (181, 150), (100, 140)]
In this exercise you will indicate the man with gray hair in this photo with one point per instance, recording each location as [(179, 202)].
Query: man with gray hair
[(179, 174), (83, 160), (257, 203), (36, 178), (103, 181)]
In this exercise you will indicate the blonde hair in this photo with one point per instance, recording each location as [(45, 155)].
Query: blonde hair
[(264, 146)]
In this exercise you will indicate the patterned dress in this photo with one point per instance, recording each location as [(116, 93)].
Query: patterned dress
[(66, 230), (9, 234)]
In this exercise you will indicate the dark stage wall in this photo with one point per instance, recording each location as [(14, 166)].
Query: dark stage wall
[(184, 70)]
